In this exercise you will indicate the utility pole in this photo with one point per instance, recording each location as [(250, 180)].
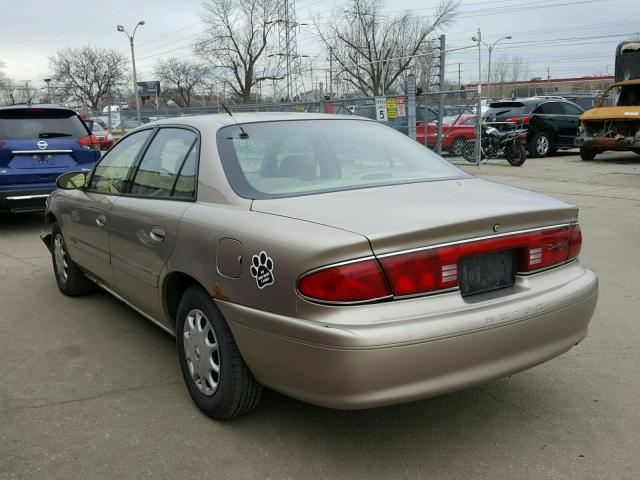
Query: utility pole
[(548, 78), (459, 76), (330, 71), (440, 94), (131, 37), (289, 46)]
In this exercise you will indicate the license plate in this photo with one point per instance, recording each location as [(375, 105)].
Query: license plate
[(486, 272)]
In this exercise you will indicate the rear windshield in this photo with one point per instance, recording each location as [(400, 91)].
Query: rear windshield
[(28, 123), (506, 108), (290, 158)]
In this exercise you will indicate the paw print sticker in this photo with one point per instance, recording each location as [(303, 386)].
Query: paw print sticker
[(262, 269)]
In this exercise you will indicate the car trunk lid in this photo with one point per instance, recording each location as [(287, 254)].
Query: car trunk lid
[(401, 217)]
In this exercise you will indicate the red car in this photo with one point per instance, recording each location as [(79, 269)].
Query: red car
[(456, 131), (99, 129)]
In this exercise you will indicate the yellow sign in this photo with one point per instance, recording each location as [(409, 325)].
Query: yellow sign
[(392, 108)]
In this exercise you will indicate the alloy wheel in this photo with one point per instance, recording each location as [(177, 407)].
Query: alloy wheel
[(60, 256), (201, 352), (542, 145)]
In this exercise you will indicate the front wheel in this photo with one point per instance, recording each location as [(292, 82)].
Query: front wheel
[(216, 375), (516, 154), (469, 151), (587, 153)]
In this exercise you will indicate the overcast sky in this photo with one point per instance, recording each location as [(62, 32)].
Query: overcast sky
[(32, 30)]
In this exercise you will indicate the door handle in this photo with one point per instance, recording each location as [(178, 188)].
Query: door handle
[(157, 234), (101, 220)]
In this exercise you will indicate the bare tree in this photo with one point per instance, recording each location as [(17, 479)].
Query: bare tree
[(88, 74), (236, 39), (374, 49), (181, 79), (505, 71), (12, 92)]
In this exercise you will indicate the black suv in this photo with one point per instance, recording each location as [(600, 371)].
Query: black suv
[(552, 121)]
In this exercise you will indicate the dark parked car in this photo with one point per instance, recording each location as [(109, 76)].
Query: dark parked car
[(552, 121), (38, 143)]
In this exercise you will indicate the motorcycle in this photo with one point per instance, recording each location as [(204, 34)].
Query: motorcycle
[(494, 142)]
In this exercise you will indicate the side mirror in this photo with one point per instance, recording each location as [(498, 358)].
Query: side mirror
[(71, 180)]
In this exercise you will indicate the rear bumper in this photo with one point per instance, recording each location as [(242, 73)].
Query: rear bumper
[(24, 200), (370, 365)]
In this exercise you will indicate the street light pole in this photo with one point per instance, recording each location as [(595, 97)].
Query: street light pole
[(120, 28), (48, 82), (478, 146), (490, 47)]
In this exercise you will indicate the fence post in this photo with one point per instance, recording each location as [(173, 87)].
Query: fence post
[(411, 105), (440, 95)]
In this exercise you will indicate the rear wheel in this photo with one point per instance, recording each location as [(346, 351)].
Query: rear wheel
[(541, 145), (216, 375), (516, 154), (469, 151), (587, 153), (69, 277), (457, 146)]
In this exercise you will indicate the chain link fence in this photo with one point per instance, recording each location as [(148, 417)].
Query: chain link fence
[(443, 122)]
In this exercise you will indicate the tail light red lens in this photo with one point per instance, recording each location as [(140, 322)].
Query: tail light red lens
[(90, 142), (519, 119), (351, 282), (437, 268)]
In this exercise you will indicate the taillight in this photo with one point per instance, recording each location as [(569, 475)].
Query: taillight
[(435, 269), (519, 119), (90, 142), (1, 144), (351, 282)]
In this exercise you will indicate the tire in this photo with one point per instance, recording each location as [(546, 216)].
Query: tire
[(70, 278), (516, 155), (457, 146), (587, 153), (469, 151), (205, 343), (541, 145)]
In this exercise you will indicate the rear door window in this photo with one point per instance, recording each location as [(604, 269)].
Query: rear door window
[(571, 109), (550, 108), (30, 123), (162, 162)]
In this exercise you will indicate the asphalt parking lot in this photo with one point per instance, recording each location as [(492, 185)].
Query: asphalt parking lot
[(90, 389)]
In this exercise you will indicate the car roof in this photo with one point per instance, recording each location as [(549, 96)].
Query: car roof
[(635, 81), (534, 100), (223, 119), (48, 106)]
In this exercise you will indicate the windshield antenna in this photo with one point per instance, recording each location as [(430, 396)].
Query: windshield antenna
[(244, 134)]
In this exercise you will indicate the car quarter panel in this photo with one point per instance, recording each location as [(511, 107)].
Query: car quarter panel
[(294, 247)]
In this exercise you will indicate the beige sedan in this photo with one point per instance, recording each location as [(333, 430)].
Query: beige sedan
[(329, 258)]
